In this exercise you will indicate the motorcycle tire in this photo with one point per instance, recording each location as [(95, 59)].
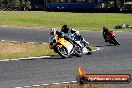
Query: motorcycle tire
[(78, 51), (115, 41), (62, 51)]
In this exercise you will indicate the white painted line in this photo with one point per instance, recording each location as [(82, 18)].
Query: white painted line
[(32, 42), (73, 81), (26, 58), (44, 56), (18, 87), (45, 84), (35, 85), (65, 82), (31, 58), (5, 60), (44, 43), (38, 57), (34, 57), (27, 86), (14, 59), (56, 83)]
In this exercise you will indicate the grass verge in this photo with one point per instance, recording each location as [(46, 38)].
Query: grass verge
[(14, 50), (87, 21)]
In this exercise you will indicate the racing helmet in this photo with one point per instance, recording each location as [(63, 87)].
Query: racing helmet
[(52, 31), (65, 29), (105, 29)]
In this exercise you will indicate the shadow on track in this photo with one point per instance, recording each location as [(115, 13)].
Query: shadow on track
[(109, 45)]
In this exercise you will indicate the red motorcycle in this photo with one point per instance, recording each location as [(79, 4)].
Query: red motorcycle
[(111, 38)]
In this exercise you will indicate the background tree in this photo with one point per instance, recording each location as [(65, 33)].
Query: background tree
[(15, 4)]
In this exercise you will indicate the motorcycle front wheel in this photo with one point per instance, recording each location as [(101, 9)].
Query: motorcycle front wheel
[(62, 51)]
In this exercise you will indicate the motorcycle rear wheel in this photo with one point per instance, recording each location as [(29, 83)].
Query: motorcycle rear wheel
[(78, 51)]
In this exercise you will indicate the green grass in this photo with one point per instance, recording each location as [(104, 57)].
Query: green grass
[(87, 21), (11, 50)]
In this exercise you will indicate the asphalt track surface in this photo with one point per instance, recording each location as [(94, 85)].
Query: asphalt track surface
[(110, 59)]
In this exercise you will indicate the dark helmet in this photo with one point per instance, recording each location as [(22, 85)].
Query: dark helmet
[(65, 29), (105, 29)]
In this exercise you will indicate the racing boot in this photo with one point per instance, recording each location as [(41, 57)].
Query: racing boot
[(85, 42), (86, 45)]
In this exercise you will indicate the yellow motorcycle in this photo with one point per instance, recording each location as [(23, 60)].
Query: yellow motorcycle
[(63, 47)]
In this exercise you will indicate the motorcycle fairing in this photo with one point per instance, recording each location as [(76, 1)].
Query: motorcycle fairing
[(66, 44)]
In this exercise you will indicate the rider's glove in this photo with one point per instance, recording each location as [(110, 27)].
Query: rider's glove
[(73, 30)]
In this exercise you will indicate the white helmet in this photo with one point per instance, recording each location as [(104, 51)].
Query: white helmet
[(52, 31)]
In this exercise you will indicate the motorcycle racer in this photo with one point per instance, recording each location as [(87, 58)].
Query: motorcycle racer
[(63, 47), (106, 32), (53, 32), (68, 32), (110, 36), (72, 36)]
